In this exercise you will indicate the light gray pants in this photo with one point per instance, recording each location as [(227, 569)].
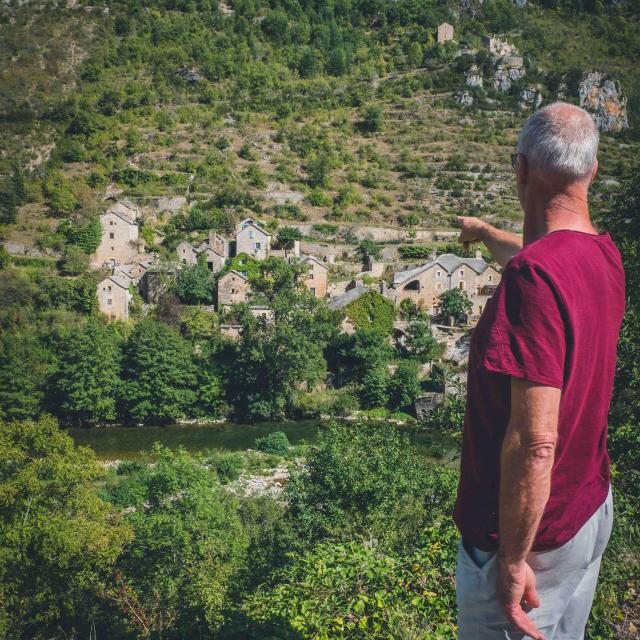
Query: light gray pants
[(565, 580)]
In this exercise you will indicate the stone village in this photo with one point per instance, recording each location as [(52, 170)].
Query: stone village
[(121, 251)]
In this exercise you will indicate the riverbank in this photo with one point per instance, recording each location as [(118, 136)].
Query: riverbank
[(131, 443)]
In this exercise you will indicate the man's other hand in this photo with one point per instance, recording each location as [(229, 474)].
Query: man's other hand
[(516, 589), (471, 230)]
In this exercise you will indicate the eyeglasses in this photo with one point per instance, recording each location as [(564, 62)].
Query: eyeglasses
[(514, 160)]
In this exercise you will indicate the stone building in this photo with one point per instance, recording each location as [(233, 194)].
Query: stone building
[(233, 288), (114, 297), (318, 276), (445, 32), (252, 239), (215, 249), (120, 242), (424, 285), (136, 268)]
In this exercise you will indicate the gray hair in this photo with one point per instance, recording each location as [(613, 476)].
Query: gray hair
[(560, 138)]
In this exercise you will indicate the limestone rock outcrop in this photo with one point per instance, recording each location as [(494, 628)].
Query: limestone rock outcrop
[(464, 98), (530, 98), (603, 97), (474, 77)]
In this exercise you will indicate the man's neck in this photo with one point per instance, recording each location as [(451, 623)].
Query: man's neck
[(561, 211)]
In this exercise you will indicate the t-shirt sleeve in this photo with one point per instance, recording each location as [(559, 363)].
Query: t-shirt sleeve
[(528, 336)]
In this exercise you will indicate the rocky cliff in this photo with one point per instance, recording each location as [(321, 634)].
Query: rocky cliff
[(603, 97)]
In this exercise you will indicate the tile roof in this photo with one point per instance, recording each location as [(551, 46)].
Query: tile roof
[(448, 261)]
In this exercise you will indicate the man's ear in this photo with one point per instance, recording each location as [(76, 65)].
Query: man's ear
[(594, 172), (522, 169)]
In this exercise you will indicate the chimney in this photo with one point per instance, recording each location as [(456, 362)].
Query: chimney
[(296, 248), (478, 254), (212, 238)]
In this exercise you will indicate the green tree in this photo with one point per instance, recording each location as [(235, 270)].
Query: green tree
[(25, 365), (60, 194), (194, 284), (415, 54), (175, 576), (287, 236), (159, 376), (8, 203), (420, 341), (87, 237), (374, 387), (404, 386), (283, 354), (455, 305), (59, 539), (74, 261), (372, 119), (364, 481), (88, 377), (5, 258), (319, 170), (368, 248)]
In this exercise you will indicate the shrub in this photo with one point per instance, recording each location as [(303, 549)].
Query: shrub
[(276, 442)]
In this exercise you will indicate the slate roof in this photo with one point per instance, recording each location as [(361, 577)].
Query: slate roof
[(347, 298), (121, 280), (316, 260), (447, 261)]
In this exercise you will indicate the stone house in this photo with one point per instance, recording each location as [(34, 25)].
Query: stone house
[(233, 288), (215, 249), (120, 242), (136, 268), (318, 276), (114, 297), (445, 33), (252, 239), (425, 284)]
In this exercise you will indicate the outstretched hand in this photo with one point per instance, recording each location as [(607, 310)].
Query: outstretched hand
[(471, 230), (516, 589)]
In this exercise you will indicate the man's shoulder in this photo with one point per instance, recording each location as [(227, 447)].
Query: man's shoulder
[(559, 253)]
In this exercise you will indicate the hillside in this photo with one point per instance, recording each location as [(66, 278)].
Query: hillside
[(295, 112)]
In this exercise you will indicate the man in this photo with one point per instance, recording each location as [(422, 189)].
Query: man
[(534, 503)]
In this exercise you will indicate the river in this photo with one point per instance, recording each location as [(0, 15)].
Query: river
[(120, 443)]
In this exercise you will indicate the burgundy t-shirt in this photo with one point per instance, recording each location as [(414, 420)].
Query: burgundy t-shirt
[(554, 319)]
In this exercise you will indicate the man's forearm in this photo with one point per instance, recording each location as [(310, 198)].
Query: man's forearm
[(503, 245), (525, 481)]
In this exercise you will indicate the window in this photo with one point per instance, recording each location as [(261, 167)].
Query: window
[(109, 288), (478, 290), (184, 261), (461, 285), (438, 286), (111, 223), (258, 246), (109, 300), (111, 236), (438, 274), (490, 278), (233, 290), (480, 309), (462, 273), (251, 234), (313, 290)]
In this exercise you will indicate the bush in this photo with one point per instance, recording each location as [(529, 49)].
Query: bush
[(351, 590), (364, 481), (276, 442)]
